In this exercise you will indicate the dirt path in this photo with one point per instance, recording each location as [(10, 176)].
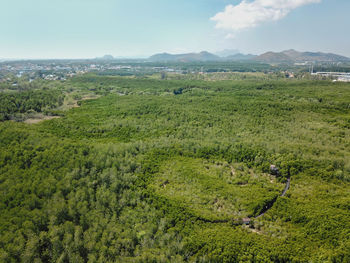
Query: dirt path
[(248, 220), (286, 188), (40, 119), (268, 207)]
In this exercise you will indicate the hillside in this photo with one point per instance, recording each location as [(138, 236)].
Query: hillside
[(273, 57)]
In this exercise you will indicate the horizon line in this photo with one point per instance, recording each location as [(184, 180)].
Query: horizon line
[(132, 57)]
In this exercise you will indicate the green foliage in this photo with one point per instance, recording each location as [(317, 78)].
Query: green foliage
[(213, 190), (28, 101), (142, 175)]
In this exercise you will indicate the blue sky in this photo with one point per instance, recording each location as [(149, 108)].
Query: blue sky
[(90, 28)]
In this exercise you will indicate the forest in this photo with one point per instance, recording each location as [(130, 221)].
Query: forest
[(154, 169)]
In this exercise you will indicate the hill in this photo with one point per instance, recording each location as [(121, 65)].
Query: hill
[(227, 52), (198, 57), (106, 57), (189, 57), (293, 56), (240, 57), (273, 57)]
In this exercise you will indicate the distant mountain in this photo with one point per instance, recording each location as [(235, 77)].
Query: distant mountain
[(292, 53), (293, 56), (273, 57), (106, 57), (189, 57), (324, 57), (162, 57), (240, 57), (288, 56), (227, 52)]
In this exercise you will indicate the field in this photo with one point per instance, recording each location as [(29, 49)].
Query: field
[(143, 169)]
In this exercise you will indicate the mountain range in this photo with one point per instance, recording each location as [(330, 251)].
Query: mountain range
[(293, 56), (106, 57), (288, 56), (189, 57), (227, 52), (198, 57)]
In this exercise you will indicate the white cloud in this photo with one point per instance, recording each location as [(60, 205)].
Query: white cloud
[(249, 14)]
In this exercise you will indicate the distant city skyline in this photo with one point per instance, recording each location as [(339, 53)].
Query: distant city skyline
[(40, 29)]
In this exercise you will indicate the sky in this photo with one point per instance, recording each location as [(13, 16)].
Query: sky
[(140, 28)]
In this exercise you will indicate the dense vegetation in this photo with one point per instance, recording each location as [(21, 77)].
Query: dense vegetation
[(20, 100), (162, 170), (26, 101)]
